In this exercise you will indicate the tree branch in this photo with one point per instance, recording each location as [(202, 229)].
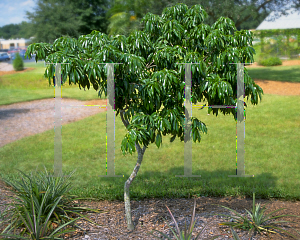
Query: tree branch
[(125, 122), (238, 23), (149, 65), (209, 54)]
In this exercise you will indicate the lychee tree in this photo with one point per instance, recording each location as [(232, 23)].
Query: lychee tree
[(150, 58)]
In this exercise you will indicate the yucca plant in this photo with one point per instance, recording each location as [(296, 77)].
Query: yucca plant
[(236, 237), (35, 226), (186, 234), (257, 222), (42, 203)]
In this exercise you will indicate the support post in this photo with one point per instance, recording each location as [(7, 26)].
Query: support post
[(57, 126), (240, 166), (188, 124), (110, 123), (240, 124)]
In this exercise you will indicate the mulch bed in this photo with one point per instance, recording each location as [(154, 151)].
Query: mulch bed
[(13, 72), (149, 214)]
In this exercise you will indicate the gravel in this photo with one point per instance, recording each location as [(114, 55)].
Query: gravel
[(5, 67)]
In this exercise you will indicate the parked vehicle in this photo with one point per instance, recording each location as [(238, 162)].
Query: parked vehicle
[(22, 54), (12, 51), (4, 57)]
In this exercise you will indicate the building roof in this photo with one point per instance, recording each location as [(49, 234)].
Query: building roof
[(292, 20)]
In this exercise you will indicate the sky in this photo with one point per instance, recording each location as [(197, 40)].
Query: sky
[(14, 11)]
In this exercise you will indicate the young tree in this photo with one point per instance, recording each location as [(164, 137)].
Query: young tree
[(149, 60)]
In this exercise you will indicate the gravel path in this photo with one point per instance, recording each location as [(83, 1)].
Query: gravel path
[(25, 119), (5, 67)]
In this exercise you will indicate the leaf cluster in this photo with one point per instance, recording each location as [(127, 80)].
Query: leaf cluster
[(42, 208), (151, 75)]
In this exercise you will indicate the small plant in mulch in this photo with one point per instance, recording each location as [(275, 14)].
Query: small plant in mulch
[(257, 221), (18, 63), (42, 208), (187, 233)]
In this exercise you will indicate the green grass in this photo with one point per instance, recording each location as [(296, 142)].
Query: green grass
[(276, 73), (32, 85), (257, 49), (271, 155)]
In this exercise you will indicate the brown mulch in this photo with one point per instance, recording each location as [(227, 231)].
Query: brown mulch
[(276, 87), (148, 214), (279, 88), (13, 72)]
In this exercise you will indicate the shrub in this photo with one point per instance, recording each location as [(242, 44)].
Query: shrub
[(258, 221), (43, 208), (272, 61), (18, 63)]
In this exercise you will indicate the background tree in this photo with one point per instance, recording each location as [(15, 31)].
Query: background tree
[(125, 15), (92, 14), (74, 18), (20, 30), (26, 30), (53, 19), (246, 14), (149, 60), (9, 31)]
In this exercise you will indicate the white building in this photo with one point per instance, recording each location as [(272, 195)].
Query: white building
[(290, 21), (288, 26), (15, 43)]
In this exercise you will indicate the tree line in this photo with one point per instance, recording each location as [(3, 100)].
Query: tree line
[(52, 19)]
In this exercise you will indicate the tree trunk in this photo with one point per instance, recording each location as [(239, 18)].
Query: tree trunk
[(140, 152)]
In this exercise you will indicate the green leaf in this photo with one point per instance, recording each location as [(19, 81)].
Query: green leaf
[(130, 148), (161, 125), (158, 139), (172, 138), (194, 135), (167, 124)]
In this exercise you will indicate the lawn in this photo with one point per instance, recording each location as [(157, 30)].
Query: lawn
[(276, 73), (32, 85), (271, 154)]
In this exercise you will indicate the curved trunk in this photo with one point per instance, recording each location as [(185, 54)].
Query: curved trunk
[(140, 152)]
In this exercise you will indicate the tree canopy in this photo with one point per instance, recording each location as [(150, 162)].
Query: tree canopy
[(149, 85), (125, 15), (52, 19), (21, 30), (246, 14)]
